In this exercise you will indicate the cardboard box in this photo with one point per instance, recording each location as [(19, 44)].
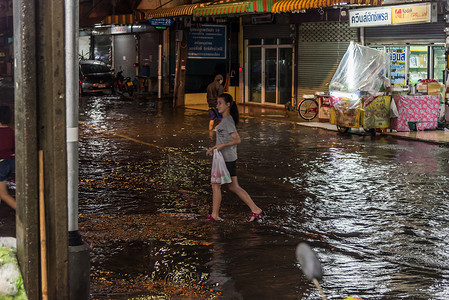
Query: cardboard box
[(433, 88)]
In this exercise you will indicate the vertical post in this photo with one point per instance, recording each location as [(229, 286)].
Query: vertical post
[(181, 65), (362, 36), (27, 189), (40, 125), (159, 71), (241, 50), (79, 260), (446, 71)]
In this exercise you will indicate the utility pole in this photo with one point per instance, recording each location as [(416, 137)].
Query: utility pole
[(40, 124), (182, 41)]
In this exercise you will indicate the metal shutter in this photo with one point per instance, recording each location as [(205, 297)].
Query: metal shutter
[(433, 32), (320, 49)]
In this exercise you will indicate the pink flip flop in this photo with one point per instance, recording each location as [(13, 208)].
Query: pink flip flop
[(256, 217), (210, 218)]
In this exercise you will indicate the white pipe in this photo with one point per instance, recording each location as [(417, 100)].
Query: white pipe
[(72, 102)]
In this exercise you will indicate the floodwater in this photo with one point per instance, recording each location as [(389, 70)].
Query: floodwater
[(375, 210)]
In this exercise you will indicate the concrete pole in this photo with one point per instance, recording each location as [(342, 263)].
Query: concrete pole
[(159, 72), (25, 82), (79, 260)]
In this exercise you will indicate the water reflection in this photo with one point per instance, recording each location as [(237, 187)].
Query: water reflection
[(375, 210)]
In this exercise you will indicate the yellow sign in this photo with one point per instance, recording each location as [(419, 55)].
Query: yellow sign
[(411, 14), (377, 113)]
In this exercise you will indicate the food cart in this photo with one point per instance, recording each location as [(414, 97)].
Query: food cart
[(355, 90)]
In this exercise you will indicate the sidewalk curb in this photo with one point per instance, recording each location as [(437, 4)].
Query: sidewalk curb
[(437, 137)]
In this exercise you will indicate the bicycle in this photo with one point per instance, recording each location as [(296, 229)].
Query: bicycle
[(308, 107)]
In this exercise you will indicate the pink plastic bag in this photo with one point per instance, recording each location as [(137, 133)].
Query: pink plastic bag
[(220, 173)]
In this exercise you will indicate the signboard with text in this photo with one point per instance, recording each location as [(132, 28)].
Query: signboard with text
[(378, 16), (164, 22), (207, 42), (411, 14), (393, 15), (397, 66)]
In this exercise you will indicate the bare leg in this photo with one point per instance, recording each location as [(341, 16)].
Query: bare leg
[(4, 195), (216, 201), (239, 191)]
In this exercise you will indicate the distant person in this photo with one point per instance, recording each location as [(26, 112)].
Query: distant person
[(227, 139), (7, 149), (214, 89)]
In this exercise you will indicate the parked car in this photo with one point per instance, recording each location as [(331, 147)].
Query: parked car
[(95, 76)]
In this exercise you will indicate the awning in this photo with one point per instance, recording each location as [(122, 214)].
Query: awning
[(182, 10), (222, 9), (119, 20), (261, 6), (292, 5)]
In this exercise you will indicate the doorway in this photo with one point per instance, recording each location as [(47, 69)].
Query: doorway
[(269, 72)]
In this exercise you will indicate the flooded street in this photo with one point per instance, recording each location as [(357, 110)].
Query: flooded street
[(374, 209)]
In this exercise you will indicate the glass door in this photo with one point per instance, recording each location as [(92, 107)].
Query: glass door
[(270, 78), (438, 63), (269, 74), (285, 69), (255, 75)]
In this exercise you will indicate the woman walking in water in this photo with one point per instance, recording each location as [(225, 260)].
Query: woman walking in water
[(226, 141)]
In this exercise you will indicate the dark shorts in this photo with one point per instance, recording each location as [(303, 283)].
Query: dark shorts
[(214, 114), (230, 165), (6, 169)]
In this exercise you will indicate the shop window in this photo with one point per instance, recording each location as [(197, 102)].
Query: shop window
[(418, 63), (438, 63)]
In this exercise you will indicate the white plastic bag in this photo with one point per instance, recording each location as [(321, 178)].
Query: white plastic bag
[(393, 110), (220, 173)]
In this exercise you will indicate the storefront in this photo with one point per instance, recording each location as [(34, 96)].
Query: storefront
[(128, 48), (414, 36), (269, 64), (415, 41)]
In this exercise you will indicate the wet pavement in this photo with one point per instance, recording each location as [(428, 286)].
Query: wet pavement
[(373, 208)]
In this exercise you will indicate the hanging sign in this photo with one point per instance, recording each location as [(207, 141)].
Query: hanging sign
[(161, 22), (393, 15), (207, 42), (378, 16), (412, 14)]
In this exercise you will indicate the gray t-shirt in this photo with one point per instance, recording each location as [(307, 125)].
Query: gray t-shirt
[(224, 130)]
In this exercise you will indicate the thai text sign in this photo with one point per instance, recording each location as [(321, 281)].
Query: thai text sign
[(370, 17), (397, 66), (207, 41), (165, 22), (392, 15), (411, 14)]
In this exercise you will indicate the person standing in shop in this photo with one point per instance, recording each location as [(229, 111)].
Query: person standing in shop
[(214, 89), (7, 149)]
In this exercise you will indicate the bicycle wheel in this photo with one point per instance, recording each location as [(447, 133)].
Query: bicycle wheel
[(308, 109)]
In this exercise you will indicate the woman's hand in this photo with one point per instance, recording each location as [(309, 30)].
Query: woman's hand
[(211, 150)]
